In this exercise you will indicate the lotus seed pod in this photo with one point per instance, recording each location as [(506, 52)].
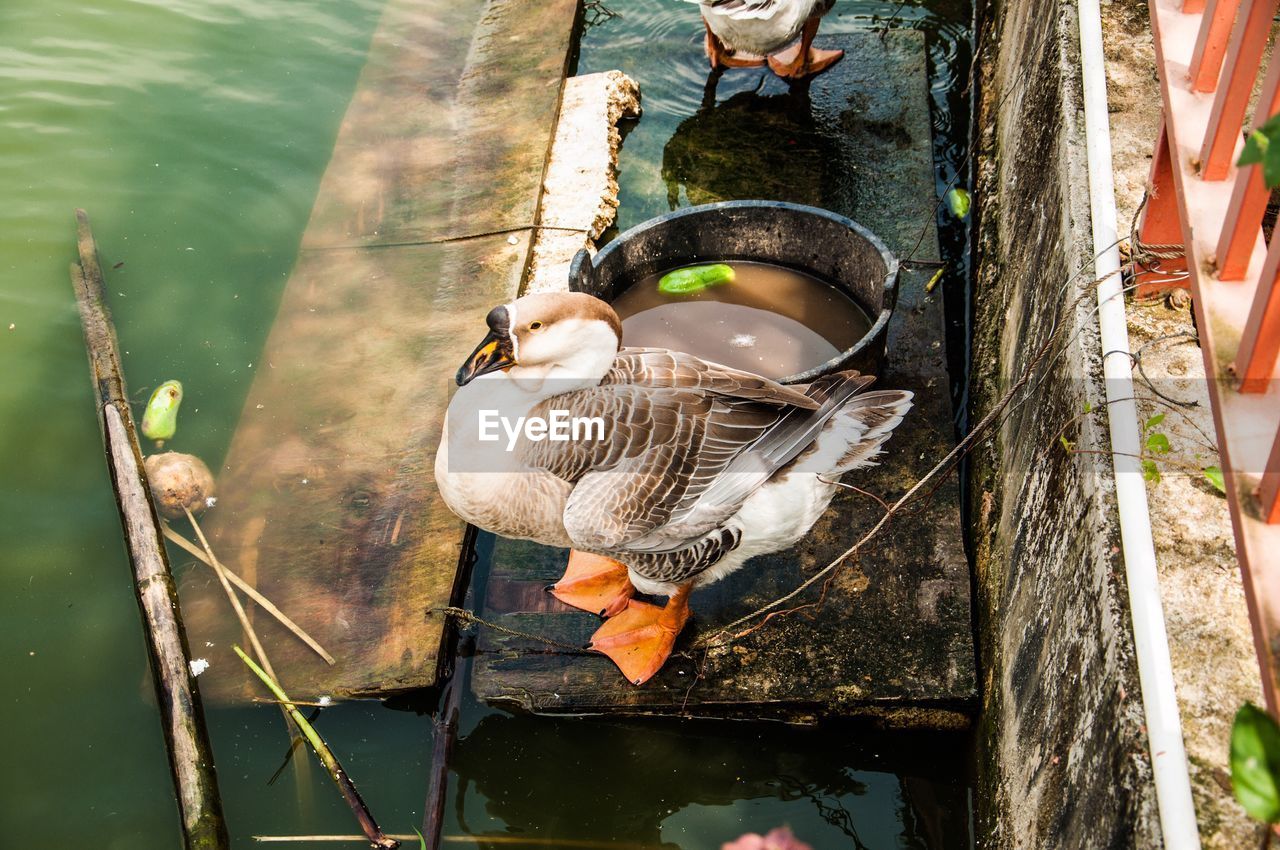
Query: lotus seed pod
[(160, 421), (179, 481)]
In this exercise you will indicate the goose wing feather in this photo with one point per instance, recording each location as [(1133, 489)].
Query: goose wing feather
[(686, 443), (662, 448), (741, 9), (660, 368)]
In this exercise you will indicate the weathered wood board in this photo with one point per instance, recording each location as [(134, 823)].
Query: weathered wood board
[(326, 499), (893, 639)]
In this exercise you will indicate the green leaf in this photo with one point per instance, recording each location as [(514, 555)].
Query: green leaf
[(1150, 471), (1067, 445), (1158, 443), (1255, 763), (1255, 148), (1088, 408), (1271, 166), (422, 842), (1214, 474), (958, 203), (1153, 422), (1258, 148)]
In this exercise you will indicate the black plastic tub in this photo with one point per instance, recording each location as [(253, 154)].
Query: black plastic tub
[(827, 246)]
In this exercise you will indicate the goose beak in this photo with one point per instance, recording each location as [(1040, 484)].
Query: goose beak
[(493, 353)]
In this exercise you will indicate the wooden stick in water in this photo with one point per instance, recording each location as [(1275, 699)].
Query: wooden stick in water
[(511, 840), (364, 817), (286, 711), (249, 590), (446, 721), (186, 737), (308, 839), (249, 632)]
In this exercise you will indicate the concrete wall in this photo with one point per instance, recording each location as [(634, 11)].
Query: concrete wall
[(1063, 759)]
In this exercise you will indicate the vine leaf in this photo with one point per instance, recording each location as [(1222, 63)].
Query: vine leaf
[(1255, 763), (1258, 148)]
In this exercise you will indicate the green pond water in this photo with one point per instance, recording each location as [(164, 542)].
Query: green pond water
[(196, 134)]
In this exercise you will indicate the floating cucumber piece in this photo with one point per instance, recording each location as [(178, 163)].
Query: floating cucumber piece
[(160, 422), (958, 202), (694, 279)]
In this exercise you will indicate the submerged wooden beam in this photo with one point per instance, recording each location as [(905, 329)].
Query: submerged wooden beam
[(186, 739), (423, 221)]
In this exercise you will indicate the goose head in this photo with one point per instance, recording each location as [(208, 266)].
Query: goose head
[(567, 335)]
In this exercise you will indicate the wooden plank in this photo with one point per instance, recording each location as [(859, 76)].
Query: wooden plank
[(326, 498), (893, 639)]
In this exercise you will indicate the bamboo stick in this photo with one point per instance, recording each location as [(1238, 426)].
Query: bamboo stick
[(181, 714), (510, 840), (309, 839), (456, 669), (249, 590), (249, 632), (446, 732), (364, 817)]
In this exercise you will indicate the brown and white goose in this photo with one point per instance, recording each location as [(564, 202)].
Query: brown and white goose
[(682, 469)]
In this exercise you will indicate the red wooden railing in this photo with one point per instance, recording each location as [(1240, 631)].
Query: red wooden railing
[(1209, 57)]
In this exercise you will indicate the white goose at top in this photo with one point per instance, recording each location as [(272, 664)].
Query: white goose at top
[(751, 33), (683, 470)]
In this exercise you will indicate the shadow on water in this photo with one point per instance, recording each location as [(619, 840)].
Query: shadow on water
[(752, 145), (691, 785)]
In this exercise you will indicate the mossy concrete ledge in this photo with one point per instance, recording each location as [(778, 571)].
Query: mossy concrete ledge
[(1063, 755)]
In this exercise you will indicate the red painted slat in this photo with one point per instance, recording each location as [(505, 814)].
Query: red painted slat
[(1160, 224), (1211, 44), (1260, 342), (1269, 491), (1244, 57), (1249, 196)]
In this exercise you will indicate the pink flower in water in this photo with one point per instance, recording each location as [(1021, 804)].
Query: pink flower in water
[(777, 839)]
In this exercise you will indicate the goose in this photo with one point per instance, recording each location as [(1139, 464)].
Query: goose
[(689, 470), (751, 33)]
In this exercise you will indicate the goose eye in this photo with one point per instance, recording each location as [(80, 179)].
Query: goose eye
[(533, 326)]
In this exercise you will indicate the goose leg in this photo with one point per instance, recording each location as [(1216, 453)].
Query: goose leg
[(640, 639), (721, 56), (804, 60), (594, 583)]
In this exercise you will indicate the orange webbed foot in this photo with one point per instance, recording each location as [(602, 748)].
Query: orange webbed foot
[(594, 583), (793, 65), (640, 638)]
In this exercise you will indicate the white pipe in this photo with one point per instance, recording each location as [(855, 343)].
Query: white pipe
[(1155, 671)]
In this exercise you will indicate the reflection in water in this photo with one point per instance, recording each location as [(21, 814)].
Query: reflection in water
[(647, 783), (752, 145)]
